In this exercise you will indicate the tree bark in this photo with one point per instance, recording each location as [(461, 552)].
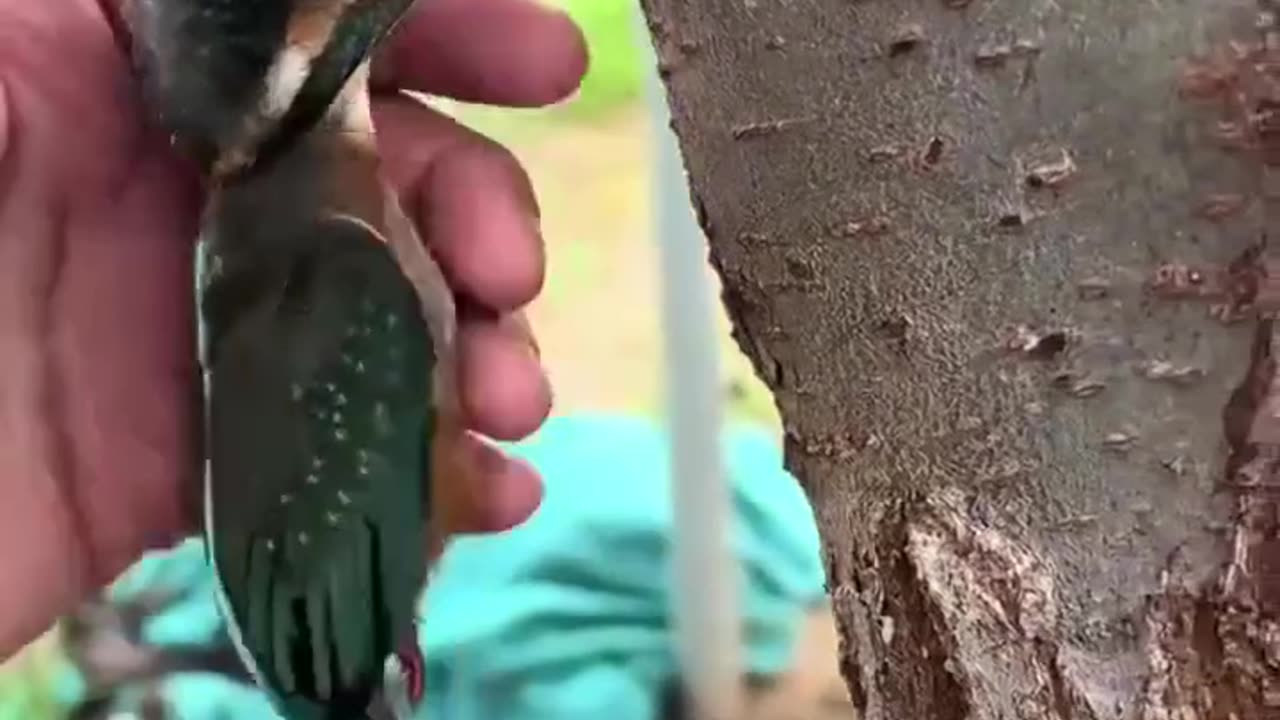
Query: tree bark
[(1005, 267)]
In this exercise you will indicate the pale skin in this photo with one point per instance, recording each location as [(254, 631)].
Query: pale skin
[(96, 220)]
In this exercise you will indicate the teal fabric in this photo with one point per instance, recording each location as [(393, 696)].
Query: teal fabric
[(567, 616)]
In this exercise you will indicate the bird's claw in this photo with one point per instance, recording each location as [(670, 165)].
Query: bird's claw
[(412, 669)]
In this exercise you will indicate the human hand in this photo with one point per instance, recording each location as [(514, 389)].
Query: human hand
[(97, 217)]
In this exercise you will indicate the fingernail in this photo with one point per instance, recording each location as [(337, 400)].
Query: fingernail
[(522, 493), (514, 489), (490, 461), (527, 194), (519, 323)]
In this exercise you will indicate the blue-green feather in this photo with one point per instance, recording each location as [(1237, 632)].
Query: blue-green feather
[(319, 422)]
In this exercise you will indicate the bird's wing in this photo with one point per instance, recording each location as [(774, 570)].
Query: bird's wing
[(319, 428)]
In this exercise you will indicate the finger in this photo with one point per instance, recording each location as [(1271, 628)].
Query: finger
[(503, 390), (503, 52), (498, 494), (477, 206), (471, 199), (469, 196)]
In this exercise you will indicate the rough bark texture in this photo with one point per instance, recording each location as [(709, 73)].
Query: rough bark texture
[(1005, 266)]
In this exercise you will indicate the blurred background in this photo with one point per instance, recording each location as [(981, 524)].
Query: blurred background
[(592, 161)]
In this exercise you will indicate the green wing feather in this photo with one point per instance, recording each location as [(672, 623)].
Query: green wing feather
[(318, 430)]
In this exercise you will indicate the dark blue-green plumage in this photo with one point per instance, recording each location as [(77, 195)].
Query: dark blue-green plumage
[(318, 360), (318, 433)]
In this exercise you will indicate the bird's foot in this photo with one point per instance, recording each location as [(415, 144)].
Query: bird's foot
[(412, 666)]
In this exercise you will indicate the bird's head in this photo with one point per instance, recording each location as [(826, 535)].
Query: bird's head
[(236, 83)]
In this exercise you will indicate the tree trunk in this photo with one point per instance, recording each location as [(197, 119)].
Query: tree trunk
[(1004, 266)]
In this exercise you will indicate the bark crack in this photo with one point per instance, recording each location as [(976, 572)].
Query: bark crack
[(1062, 700), (996, 602), (1216, 656), (924, 630)]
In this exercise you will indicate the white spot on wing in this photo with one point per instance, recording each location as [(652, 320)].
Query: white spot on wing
[(381, 419)]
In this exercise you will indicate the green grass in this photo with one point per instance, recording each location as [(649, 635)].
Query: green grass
[(26, 691), (749, 400), (616, 76)]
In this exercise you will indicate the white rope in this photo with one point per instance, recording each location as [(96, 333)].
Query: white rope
[(707, 574)]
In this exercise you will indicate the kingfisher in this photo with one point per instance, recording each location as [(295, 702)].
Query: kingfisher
[(326, 336)]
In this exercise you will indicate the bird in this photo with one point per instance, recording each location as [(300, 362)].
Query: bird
[(331, 426)]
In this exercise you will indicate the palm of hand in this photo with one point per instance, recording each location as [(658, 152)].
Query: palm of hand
[(95, 216)]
